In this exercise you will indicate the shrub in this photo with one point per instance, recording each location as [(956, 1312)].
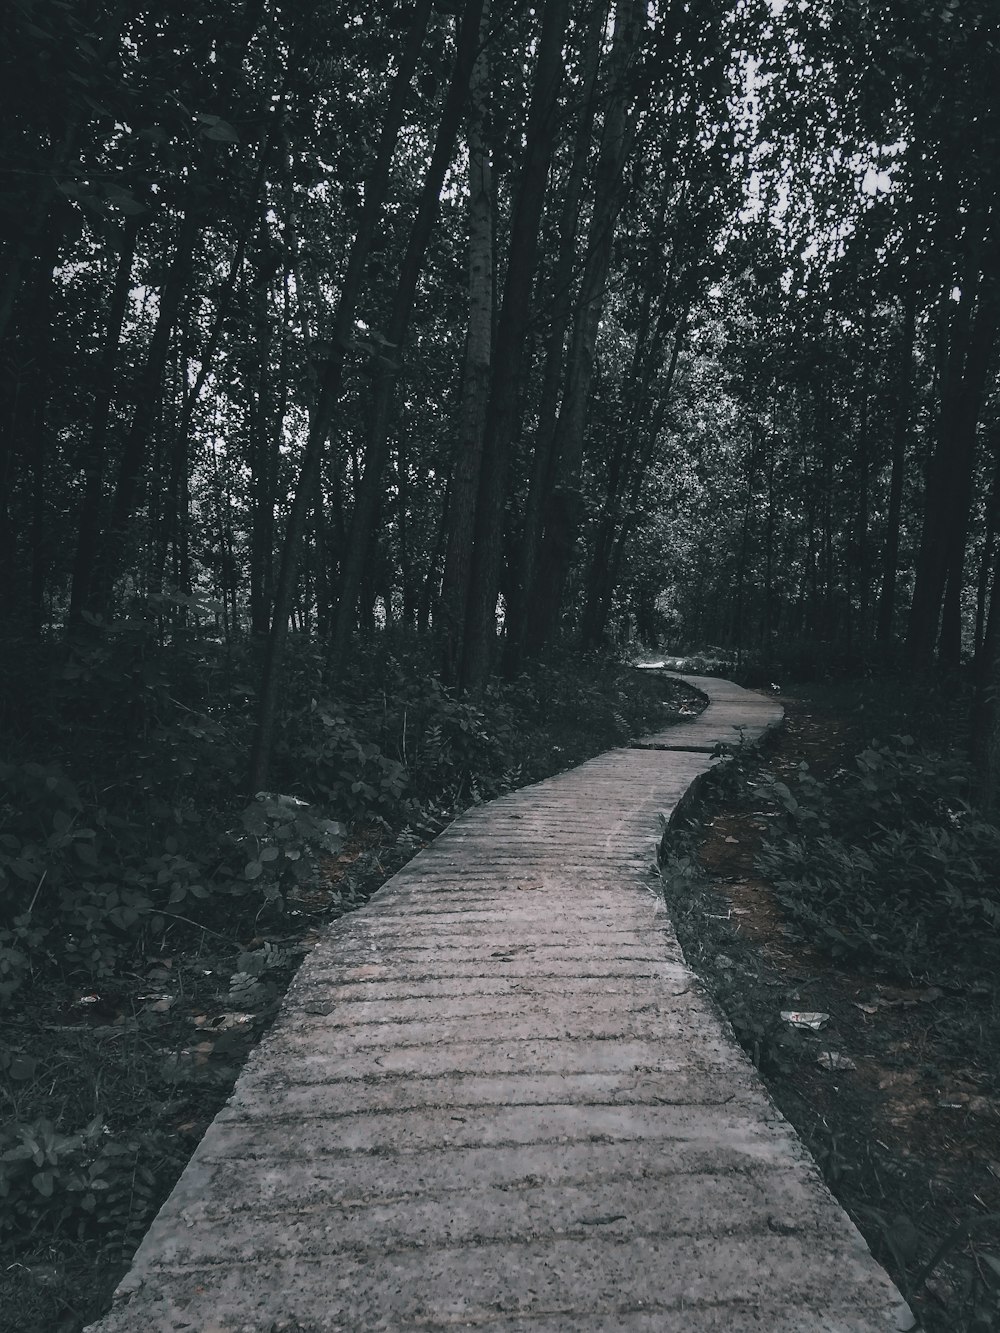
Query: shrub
[(887, 861)]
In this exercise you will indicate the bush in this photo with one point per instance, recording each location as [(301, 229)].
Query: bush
[(88, 1182), (114, 834), (888, 862)]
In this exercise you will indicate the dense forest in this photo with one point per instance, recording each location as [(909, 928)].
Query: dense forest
[(373, 377), (579, 321)]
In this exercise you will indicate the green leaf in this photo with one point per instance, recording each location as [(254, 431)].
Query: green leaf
[(270, 854), (123, 201), (85, 851), (44, 1182), (221, 132), (252, 870)]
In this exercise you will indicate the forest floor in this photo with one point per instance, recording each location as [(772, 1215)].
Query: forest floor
[(107, 1087), (897, 1094)]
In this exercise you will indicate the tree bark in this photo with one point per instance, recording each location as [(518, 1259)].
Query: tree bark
[(949, 477), (479, 638), (976, 368), (543, 458), (265, 433), (900, 433), (989, 547), (985, 729), (476, 378)]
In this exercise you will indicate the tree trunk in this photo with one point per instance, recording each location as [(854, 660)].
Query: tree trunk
[(563, 509), (265, 433), (985, 729), (618, 519), (965, 429), (88, 532), (479, 638), (949, 476), (863, 517), (989, 546), (369, 493), (36, 441), (476, 379), (543, 459), (148, 392), (900, 432), (329, 396)]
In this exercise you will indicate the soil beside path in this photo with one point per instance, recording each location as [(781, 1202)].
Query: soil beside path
[(906, 1124), (496, 1097)]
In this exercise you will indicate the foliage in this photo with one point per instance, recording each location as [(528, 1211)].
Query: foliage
[(142, 892), (72, 1184), (888, 860)]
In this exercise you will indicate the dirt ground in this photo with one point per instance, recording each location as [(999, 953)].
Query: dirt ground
[(897, 1095)]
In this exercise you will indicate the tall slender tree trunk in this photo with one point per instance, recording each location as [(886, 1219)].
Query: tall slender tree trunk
[(361, 534), (148, 392), (563, 508), (863, 516), (544, 460), (405, 553), (900, 433), (977, 364), (88, 532), (329, 396), (950, 473), (985, 729), (34, 418), (989, 547), (619, 518), (479, 638), (265, 430), (476, 378)]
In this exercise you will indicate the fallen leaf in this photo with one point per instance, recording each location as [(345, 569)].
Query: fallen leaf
[(834, 1060), (804, 1019)]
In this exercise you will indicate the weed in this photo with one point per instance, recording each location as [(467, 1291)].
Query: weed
[(887, 861)]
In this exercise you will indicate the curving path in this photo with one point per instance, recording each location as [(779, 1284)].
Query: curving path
[(496, 1099)]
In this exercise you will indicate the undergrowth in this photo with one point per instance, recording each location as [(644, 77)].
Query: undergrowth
[(887, 861), (152, 910), (880, 859)]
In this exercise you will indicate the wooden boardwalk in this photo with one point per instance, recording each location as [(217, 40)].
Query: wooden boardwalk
[(496, 1099)]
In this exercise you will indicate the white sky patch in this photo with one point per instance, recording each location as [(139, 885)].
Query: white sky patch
[(876, 182)]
